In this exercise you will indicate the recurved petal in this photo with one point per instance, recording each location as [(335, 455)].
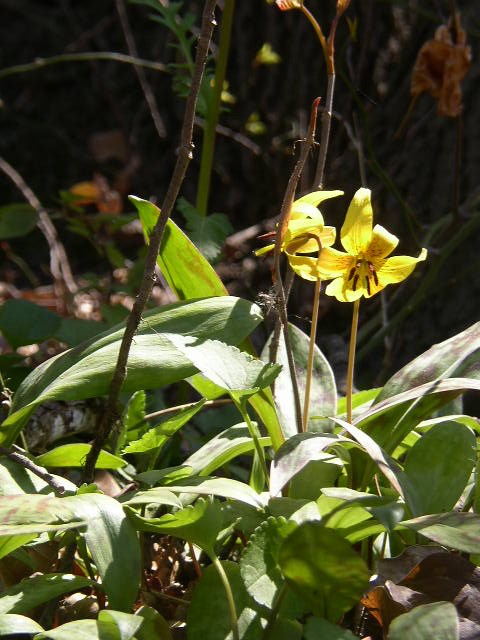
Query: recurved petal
[(398, 268), (356, 233), (339, 289), (316, 197), (305, 210), (333, 263), (304, 266), (382, 245)]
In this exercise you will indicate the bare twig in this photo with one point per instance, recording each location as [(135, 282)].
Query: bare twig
[(84, 56), (59, 265), (281, 230), (19, 457), (142, 78), (183, 159)]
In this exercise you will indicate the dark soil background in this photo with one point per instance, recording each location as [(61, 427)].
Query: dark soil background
[(49, 115)]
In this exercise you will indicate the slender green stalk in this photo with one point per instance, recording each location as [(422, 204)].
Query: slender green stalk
[(87, 56), (351, 359), (311, 353), (254, 434), (209, 132), (228, 592)]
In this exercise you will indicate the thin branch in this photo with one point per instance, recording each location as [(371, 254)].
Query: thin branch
[(59, 264), (21, 459), (86, 56), (142, 78), (183, 159), (281, 230)]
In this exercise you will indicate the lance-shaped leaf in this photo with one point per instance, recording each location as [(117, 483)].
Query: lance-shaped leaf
[(235, 371), (75, 454), (113, 543), (31, 592), (457, 530), (154, 361), (323, 388)]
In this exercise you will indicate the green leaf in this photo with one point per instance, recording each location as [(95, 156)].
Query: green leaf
[(295, 455), (199, 524), (154, 626), (17, 220), (323, 391), (86, 370), (450, 449), (35, 508), (225, 365), (219, 450), (454, 358), (323, 568), (74, 331), (317, 628), (456, 530), (23, 322), (259, 566), (10, 543), (435, 621), (113, 543), (208, 233), (31, 592), (157, 436), (12, 624), (122, 626), (159, 495), (74, 455), (208, 613), (15, 479), (224, 487), (190, 277)]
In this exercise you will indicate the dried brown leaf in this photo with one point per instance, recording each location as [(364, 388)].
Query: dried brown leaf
[(441, 65)]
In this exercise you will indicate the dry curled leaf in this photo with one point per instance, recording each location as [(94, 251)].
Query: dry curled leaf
[(441, 65), (423, 575)]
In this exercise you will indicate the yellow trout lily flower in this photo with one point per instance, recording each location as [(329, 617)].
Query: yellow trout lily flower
[(364, 269), (306, 231)]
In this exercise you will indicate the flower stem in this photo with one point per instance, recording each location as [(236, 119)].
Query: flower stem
[(351, 358), (228, 591), (311, 353), (254, 434), (325, 133)]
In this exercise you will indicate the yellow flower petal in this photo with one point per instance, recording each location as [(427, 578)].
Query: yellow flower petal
[(339, 289), (356, 232), (316, 197), (304, 210), (304, 266), (398, 268), (382, 245), (333, 263)]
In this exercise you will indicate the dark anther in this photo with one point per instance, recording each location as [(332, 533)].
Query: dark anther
[(367, 284), (355, 280), (350, 275)]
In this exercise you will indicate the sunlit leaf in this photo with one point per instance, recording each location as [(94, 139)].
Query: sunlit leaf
[(74, 455), (437, 620)]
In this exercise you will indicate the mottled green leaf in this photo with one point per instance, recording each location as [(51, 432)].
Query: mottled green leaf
[(435, 621), (457, 530), (74, 455)]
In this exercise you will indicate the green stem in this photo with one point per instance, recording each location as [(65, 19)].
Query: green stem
[(311, 353), (253, 432), (87, 56), (351, 359), (209, 132), (228, 592)]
